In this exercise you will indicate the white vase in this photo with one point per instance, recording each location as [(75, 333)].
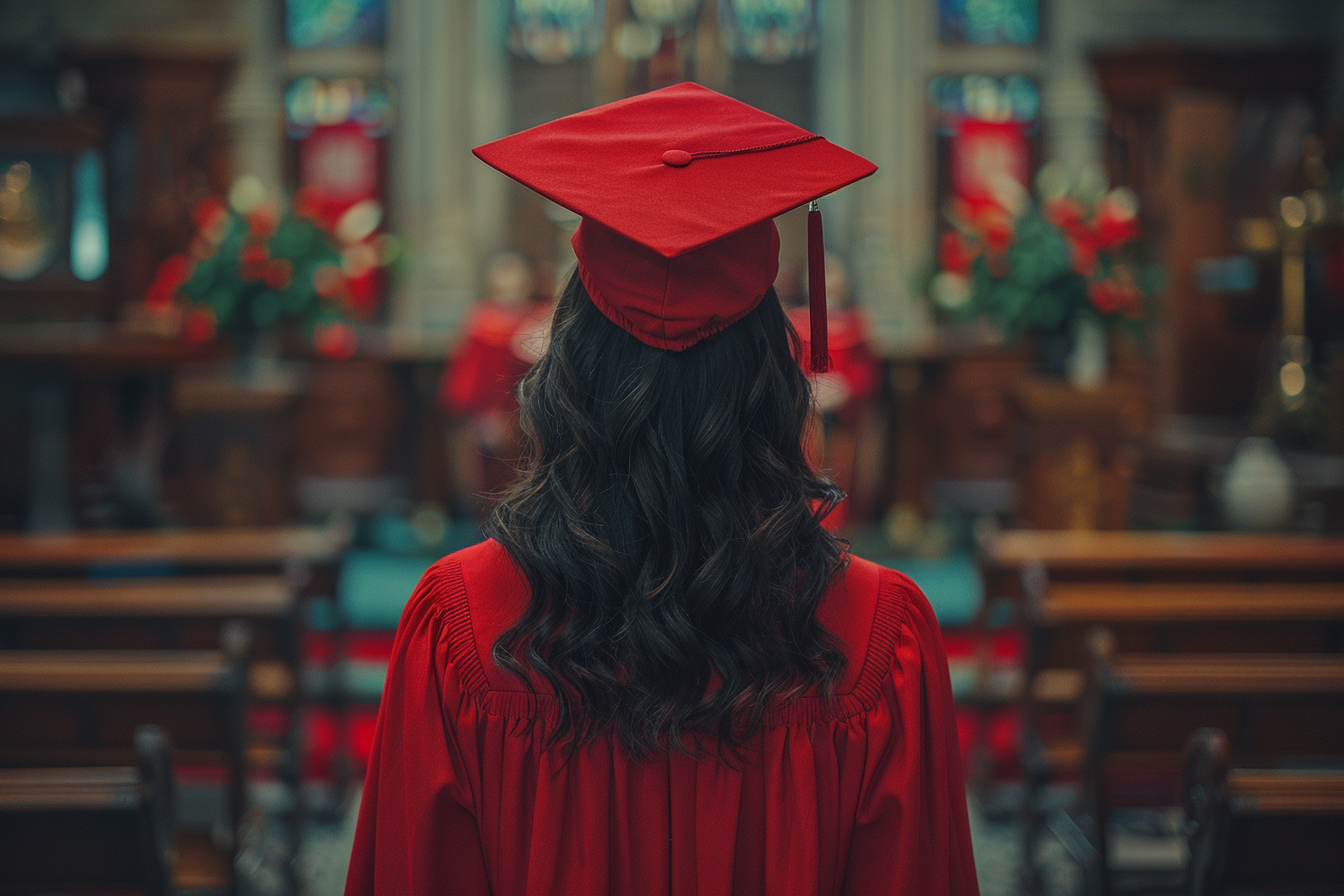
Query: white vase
[(1085, 367), (1258, 487)]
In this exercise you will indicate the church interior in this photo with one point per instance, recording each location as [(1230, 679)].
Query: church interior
[(262, 314)]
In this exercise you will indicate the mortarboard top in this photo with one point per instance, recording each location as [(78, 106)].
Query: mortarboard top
[(677, 190)]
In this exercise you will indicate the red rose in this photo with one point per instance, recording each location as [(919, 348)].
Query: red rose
[(168, 279), (253, 261), (262, 221), (335, 340), (1062, 212), (278, 273), (953, 253), (198, 324), (1116, 296), (211, 218)]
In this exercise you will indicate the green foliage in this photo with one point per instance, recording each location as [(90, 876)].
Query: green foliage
[(262, 275)]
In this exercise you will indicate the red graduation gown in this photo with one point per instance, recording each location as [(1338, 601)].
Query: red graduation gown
[(859, 794)]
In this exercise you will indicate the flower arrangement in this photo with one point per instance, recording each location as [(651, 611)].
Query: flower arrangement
[(251, 268), (1041, 268)]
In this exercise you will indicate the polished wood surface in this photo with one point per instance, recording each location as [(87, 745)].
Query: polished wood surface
[(67, 788), (1286, 791), (1254, 829), (1188, 602), (1230, 673), (200, 547), (95, 671), (1116, 551), (176, 597)]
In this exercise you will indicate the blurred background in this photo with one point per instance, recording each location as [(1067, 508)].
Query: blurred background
[(261, 313)]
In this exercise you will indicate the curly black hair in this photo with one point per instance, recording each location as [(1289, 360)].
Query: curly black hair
[(669, 525)]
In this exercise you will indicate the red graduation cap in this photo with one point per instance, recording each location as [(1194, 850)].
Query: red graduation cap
[(677, 190)]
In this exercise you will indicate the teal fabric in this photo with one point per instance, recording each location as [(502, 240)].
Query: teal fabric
[(375, 583), (374, 587), (952, 585)]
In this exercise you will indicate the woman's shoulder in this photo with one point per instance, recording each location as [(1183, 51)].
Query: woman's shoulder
[(871, 609), (478, 592)]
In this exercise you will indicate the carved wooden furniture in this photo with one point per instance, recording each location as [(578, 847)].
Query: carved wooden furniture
[(237, 451), (167, 151), (103, 829), (1078, 452), (1261, 830), (89, 590), (1160, 593), (1282, 709), (1172, 118), (82, 708), (227, 550)]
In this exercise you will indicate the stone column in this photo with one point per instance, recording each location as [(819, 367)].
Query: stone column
[(254, 103), (893, 229), (1071, 105), (447, 61), (835, 113)]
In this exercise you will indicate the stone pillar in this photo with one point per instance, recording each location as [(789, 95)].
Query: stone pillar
[(447, 61), (893, 228), (254, 103), (1071, 105), (835, 105)]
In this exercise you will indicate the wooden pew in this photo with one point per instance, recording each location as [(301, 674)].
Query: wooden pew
[(1260, 830), (167, 613), (1156, 617), (101, 829), (170, 613), (82, 708), (306, 559), (1281, 709), (197, 550)]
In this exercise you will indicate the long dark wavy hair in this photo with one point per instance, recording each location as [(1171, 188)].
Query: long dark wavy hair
[(669, 526)]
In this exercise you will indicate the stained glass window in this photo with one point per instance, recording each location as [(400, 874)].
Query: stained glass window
[(988, 145), (334, 23), (312, 102), (984, 22), (556, 30), (959, 98), (769, 30)]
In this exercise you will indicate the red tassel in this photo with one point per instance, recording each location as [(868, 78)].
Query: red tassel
[(816, 290)]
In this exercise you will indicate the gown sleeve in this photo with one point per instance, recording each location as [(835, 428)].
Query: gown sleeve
[(417, 831), (911, 833)]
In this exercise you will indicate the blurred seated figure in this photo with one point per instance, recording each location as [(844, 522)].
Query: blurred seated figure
[(842, 391), (503, 336)]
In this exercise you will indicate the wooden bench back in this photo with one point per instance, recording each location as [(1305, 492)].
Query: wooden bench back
[(101, 829), (1278, 709), (1180, 617), (181, 613), (81, 708), (1260, 830)]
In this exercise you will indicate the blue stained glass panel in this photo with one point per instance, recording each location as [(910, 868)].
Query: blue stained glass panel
[(553, 31), (984, 98), (334, 23), (989, 22), (769, 30), (310, 102)]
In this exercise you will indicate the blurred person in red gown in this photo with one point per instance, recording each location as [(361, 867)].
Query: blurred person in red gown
[(501, 339), (843, 391), (661, 674)]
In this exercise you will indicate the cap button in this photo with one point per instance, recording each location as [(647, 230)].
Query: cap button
[(677, 158)]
